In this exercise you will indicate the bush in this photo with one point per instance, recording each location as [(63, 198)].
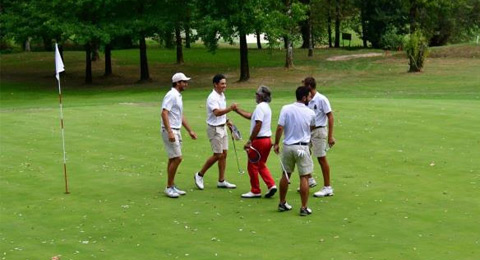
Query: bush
[(392, 39), (416, 48)]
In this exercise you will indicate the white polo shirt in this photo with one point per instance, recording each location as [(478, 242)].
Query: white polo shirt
[(216, 101), (296, 120), (262, 113), (174, 104), (321, 106)]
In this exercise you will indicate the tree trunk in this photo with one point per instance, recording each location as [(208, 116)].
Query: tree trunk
[(289, 53), (47, 43), (144, 75), (188, 38), (364, 26), (108, 60), (329, 24), (259, 43), (337, 23), (413, 15), (305, 30), (178, 40), (244, 68), (88, 61), (26, 45), (95, 53), (168, 38), (310, 42), (305, 26)]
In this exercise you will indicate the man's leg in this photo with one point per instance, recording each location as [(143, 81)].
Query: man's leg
[(222, 163), (172, 167), (304, 190), (210, 161), (325, 170), (283, 188), (254, 181)]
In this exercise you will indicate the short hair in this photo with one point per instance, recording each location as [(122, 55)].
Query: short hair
[(265, 93), (310, 82), (301, 92), (217, 78)]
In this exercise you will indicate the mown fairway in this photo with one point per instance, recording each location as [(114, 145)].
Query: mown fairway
[(405, 167)]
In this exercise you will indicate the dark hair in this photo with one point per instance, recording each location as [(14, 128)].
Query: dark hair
[(217, 78), (301, 92), (265, 93), (310, 82)]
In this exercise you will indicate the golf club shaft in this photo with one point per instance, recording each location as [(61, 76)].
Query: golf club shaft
[(236, 155), (283, 169)]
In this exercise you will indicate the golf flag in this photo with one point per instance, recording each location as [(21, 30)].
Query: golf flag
[(59, 68), (58, 63)]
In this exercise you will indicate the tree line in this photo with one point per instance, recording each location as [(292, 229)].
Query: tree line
[(114, 24)]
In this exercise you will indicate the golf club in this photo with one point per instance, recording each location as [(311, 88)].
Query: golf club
[(253, 154), (236, 156), (283, 169)]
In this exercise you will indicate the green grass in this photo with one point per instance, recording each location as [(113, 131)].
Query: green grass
[(404, 169)]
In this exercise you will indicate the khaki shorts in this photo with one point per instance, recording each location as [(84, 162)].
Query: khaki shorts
[(290, 157), (319, 142), (218, 137), (174, 149)]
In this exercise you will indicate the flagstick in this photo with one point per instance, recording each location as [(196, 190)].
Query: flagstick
[(63, 139)]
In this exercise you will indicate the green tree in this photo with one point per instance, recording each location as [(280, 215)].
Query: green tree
[(231, 20), (282, 24), (416, 48)]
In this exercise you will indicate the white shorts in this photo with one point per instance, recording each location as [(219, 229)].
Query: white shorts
[(291, 156), (174, 149), (319, 142), (218, 137)]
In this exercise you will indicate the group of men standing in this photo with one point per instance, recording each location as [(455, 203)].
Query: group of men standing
[(307, 123)]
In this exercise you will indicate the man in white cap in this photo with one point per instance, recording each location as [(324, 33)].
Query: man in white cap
[(172, 121), (217, 133)]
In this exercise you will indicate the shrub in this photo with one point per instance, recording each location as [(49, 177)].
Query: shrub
[(416, 48), (392, 39)]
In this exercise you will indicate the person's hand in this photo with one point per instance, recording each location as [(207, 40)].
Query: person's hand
[(247, 145), (171, 136), (234, 106), (276, 148), (331, 141), (229, 123), (193, 135)]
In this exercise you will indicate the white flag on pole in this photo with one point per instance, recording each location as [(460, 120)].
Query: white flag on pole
[(58, 63)]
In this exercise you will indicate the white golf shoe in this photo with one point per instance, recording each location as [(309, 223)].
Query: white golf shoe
[(170, 192), (324, 192), (179, 191), (284, 207), (250, 194), (198, 180), (311, 183), (225, 184)]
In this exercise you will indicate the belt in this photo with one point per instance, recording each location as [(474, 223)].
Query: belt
[(172, 128), (320, 126), (299, 143), (262, 137), (222, 125)]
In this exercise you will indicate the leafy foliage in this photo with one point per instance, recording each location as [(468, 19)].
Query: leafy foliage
[(416, 47)]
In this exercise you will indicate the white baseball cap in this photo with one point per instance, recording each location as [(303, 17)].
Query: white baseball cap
[(179, 77)]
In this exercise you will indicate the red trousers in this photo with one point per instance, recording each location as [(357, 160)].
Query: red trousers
[(263, 146)]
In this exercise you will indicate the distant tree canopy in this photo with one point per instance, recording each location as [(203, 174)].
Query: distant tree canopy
[(110, 24)]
